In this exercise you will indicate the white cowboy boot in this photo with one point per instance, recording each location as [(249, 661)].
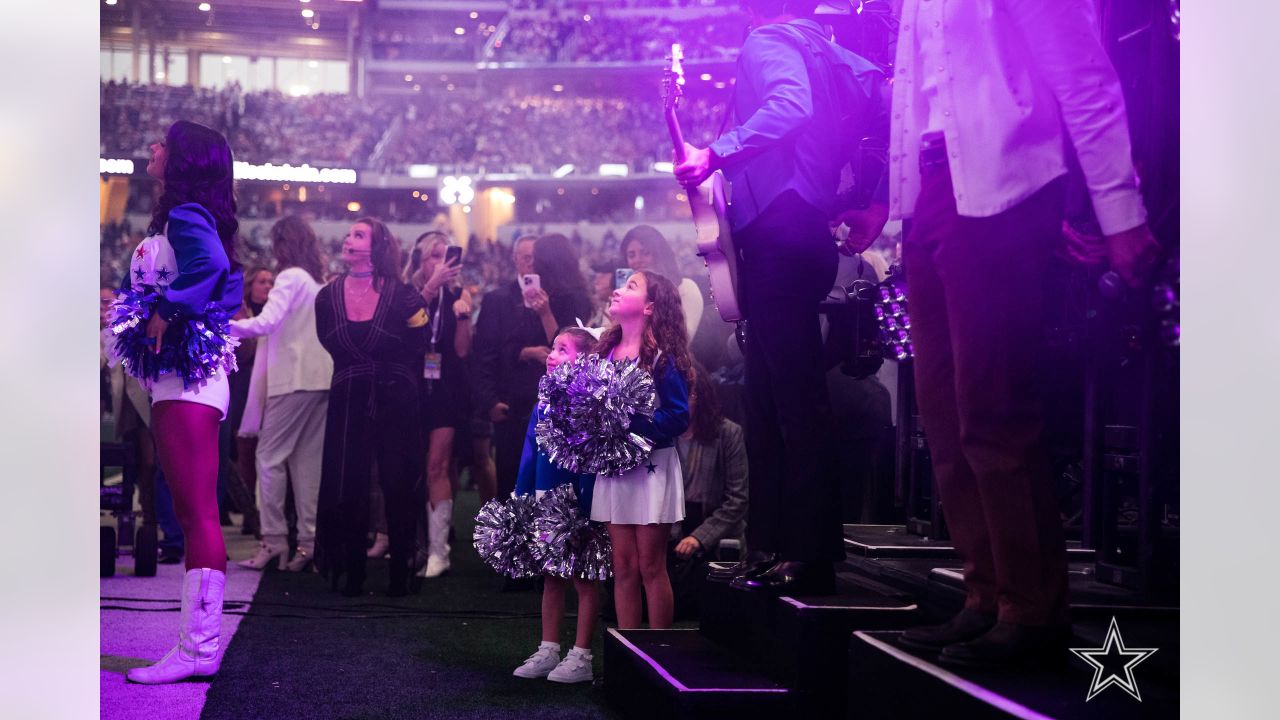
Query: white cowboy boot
[(272, 546), (439, 519), (199, 630)]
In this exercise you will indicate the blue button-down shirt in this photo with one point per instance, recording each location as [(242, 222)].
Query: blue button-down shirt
[(782, 143)]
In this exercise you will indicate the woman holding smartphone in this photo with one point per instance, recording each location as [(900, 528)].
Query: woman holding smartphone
[(444, 387)]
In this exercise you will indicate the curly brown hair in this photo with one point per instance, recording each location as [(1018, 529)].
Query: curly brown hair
[(664, 330)]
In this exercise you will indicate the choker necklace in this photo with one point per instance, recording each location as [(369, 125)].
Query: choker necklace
[(354, 274)]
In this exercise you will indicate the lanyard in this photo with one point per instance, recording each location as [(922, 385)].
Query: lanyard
[(435, 321)]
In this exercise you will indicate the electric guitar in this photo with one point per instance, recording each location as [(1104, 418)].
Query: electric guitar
[(707, 201)]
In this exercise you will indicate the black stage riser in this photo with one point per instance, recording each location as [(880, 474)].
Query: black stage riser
[(802, 643), (680, 675), (887, 681)]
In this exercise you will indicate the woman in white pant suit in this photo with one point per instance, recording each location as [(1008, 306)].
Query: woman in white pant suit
[(292, 373)]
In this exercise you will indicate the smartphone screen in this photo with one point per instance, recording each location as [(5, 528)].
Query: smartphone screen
[(620, 277), (452, 254)]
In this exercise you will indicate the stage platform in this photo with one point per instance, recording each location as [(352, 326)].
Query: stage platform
[(835, 656)]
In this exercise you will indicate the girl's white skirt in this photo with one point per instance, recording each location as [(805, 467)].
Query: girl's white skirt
[(651, 493)]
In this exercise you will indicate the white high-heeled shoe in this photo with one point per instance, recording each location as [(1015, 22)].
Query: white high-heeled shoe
[(301, 559), (199, 632), (381, 546), (269, 548)]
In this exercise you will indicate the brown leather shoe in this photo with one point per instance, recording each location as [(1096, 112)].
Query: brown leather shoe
[(1007, 645), (966, 625)]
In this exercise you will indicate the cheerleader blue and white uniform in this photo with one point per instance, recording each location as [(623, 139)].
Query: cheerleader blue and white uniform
[(538, 474), (652, 492), (188, 267)]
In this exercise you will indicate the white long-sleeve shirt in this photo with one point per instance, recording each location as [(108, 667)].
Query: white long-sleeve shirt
[(292, 351), (1003, 78)]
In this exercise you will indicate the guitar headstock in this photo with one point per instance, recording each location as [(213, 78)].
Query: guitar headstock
[(673, 78)]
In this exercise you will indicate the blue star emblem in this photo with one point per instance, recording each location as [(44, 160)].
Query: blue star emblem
[(651, 467), (141, 275), (162, 273), (1117, 656)]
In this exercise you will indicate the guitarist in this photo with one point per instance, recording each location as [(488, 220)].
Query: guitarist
[(784, 177)]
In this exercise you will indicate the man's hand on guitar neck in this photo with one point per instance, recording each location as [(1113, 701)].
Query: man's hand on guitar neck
[(698, 165), (865, 226)]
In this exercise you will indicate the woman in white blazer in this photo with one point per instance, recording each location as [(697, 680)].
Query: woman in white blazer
[(288, 395)]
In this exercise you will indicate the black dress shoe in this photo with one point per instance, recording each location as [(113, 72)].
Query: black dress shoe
[(791, 577), (965, 626), (169, 556), (1009, 645), (753, 564)]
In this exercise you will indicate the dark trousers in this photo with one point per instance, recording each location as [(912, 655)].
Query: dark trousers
[(167, 517), (508, 444), (975, 297), (788, 265)]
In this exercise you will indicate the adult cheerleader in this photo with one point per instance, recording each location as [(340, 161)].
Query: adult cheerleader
[(186, 274)]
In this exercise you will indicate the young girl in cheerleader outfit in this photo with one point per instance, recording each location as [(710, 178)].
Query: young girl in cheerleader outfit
[(538, 475), (641, 504)]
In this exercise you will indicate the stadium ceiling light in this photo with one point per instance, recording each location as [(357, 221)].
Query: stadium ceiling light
[(563, 170), (111, 2), (474, 15), (613, 170), (586, 18), (226, 59), (557, 88), (204, 7), (704, 77), (459, 31), (304, 2), (408, 78), (308, 13)]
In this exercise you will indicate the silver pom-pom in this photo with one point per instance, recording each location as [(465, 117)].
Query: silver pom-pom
[(587, 406), (502, 536), (565, 543)]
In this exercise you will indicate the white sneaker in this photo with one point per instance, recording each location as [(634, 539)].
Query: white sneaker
[(546, 659), (575, 668)]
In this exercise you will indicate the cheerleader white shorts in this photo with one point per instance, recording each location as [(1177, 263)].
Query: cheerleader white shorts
[(651, 493), (214, 392)]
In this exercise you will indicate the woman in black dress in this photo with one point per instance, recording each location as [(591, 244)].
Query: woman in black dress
[(375, 327)]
